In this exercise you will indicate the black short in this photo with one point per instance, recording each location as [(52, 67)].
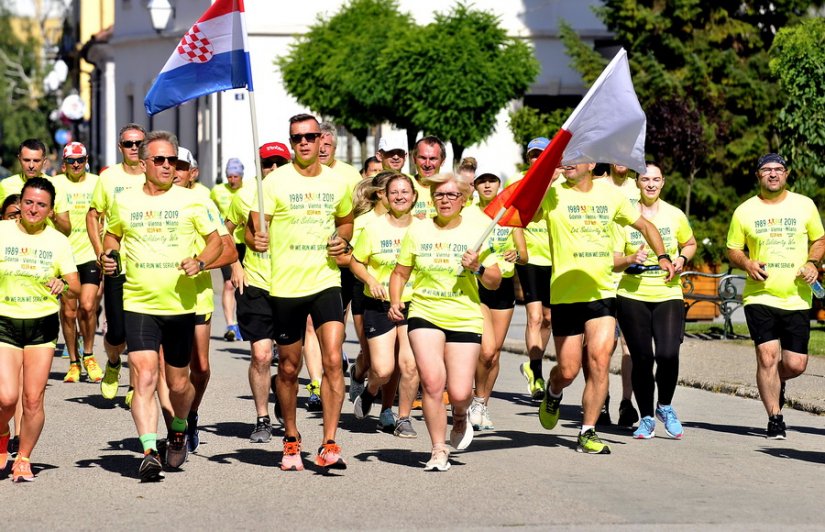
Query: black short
[(376, 320), (290, 313), (113, 305), (29, 332), (89, 273), (535, 283), (569, 318), (146, 332), (357, 304), (203, 319), (347, 286), (255, 314), (226, 271), (791, 327), (451, 337), (503, 298)]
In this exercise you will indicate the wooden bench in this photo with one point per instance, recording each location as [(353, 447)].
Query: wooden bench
[(727, 297)]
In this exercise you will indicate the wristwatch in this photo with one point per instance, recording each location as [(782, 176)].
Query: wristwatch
[(664, 256), (201, 265)]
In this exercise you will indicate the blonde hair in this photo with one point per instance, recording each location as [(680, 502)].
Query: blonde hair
[(468, 164), (439, 179), (361, 203)]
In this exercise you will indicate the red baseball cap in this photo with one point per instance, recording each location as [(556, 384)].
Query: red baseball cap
[(274, 149), (74, 149)]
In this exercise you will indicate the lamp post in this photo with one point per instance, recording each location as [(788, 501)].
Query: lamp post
[(161, 12)]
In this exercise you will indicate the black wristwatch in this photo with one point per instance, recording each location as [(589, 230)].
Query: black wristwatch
[(201, 266), (480, 270), (664, 256)]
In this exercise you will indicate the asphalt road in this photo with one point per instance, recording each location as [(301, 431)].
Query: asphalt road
[(724, 474)]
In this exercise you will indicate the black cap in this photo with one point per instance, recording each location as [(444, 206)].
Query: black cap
[(771, 158)]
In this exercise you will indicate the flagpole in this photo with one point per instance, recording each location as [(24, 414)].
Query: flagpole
[(258, 179)]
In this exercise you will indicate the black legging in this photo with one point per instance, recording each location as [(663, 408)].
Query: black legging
[(645, 325), (113, 306)]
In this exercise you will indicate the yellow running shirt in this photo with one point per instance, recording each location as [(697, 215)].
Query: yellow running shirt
[(499, 241), (650, 286), (535, 234), (256, 265), (424, 206), (27, 262), (303, 211), (778, 234), (582, 240), (203, 281), (348, 173), (440, 296), (78, 197), (158, 233), (222, 196), (112, 182), (377, 247)]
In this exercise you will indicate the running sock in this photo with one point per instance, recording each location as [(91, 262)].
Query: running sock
[(149, 442), (178, 424), (264, 419), (535, 367), (585, 428), (553, 395)]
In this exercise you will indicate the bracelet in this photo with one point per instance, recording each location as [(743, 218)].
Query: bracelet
[(664, 256), (480, 270), (685, 258), (65, 286), (814, 262)]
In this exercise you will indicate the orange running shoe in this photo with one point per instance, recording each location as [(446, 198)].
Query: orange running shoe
[(329, 456), (4, 450), (21, 470), (292, 460)]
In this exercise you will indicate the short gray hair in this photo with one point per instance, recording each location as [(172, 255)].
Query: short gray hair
[(153, 136)]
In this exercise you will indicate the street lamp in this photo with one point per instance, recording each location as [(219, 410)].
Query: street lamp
[(161, 12)]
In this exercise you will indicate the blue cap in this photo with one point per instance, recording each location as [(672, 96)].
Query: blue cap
[(771, 158), (234, 167), (538, 143)]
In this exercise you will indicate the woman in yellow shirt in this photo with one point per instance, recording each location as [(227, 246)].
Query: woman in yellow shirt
[(444, 319), (36, 266)]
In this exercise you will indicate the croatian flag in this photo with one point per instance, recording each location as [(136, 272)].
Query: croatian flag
[(608, 126), (212, 56)]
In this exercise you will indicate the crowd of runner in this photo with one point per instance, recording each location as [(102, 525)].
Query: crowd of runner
[(598, 267)]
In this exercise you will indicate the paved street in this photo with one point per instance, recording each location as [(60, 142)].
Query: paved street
[(723, 474)]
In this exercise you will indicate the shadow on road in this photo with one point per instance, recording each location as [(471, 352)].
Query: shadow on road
[(795, 454), (402, 457), (516, 398), (96, 400), (125, 465), (730, 429), (267, 457)]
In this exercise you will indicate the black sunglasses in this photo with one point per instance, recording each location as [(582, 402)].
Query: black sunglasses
[(298, 137), (158, 160), (131, 143), (79, 160)]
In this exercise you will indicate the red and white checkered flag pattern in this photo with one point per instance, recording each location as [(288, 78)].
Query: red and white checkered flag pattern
[(195, 47)]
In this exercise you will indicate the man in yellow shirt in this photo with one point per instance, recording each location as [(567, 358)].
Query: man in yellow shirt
[(785, 240), (392, 151), (579, 215), (308, 209), (428, 156)]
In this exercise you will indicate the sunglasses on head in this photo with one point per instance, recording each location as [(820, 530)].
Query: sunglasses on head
[(298, 137), (78, 160), (158, 160), (131, 143)]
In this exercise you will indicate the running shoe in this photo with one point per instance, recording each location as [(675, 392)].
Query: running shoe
[(362, 405), (21, 470), (404, 428), (291, 460), (418, 401), (627, 414), (176, 449), (329, 456), (65, 353), (439, 460), (73, 375), (776, 428), (4, 450), (462, 434), (590, 443), (667, 415), (193, 438), (486, 422), (535, 385), (646, 429), (130, 394), (108, 386), (151, 470), (475, 414), (386, 421), (781, 395), (14, 446), (314, 401), (93, 371), (262, 432), (549, 411), (232, 334), (355, 387), (604, 416)]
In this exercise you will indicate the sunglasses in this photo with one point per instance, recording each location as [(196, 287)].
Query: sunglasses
[(181, 165), (131, 143), (79, 160), (158, 160), (298, 137)]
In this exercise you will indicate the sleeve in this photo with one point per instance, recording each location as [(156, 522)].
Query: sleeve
[(205, 221), (100, 202), (114, 223), (269, 197), (409, 246), (814, 223), (683, 229), (61, 202), (736, 232), (214, 215), (621, 237), (236, 212), (344, 206), (361, 250), (626, 213), (64, 259)]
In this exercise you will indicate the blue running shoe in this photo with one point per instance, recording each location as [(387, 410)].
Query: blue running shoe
[(645, 430), (667, 415)]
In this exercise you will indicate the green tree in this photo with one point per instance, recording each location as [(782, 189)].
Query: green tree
[(798, 61), (527, 123)]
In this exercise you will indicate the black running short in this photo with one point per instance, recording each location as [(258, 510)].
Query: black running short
[(357, 304), (451, 337), (347, 286), (29, 332), (502, 298), (254, 311), (89, 272), (203, 319), (226, 271), (146, 332), (113, 306), (791, 327), (569, 318), (290, 313), (535, 282), (376, 320)]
